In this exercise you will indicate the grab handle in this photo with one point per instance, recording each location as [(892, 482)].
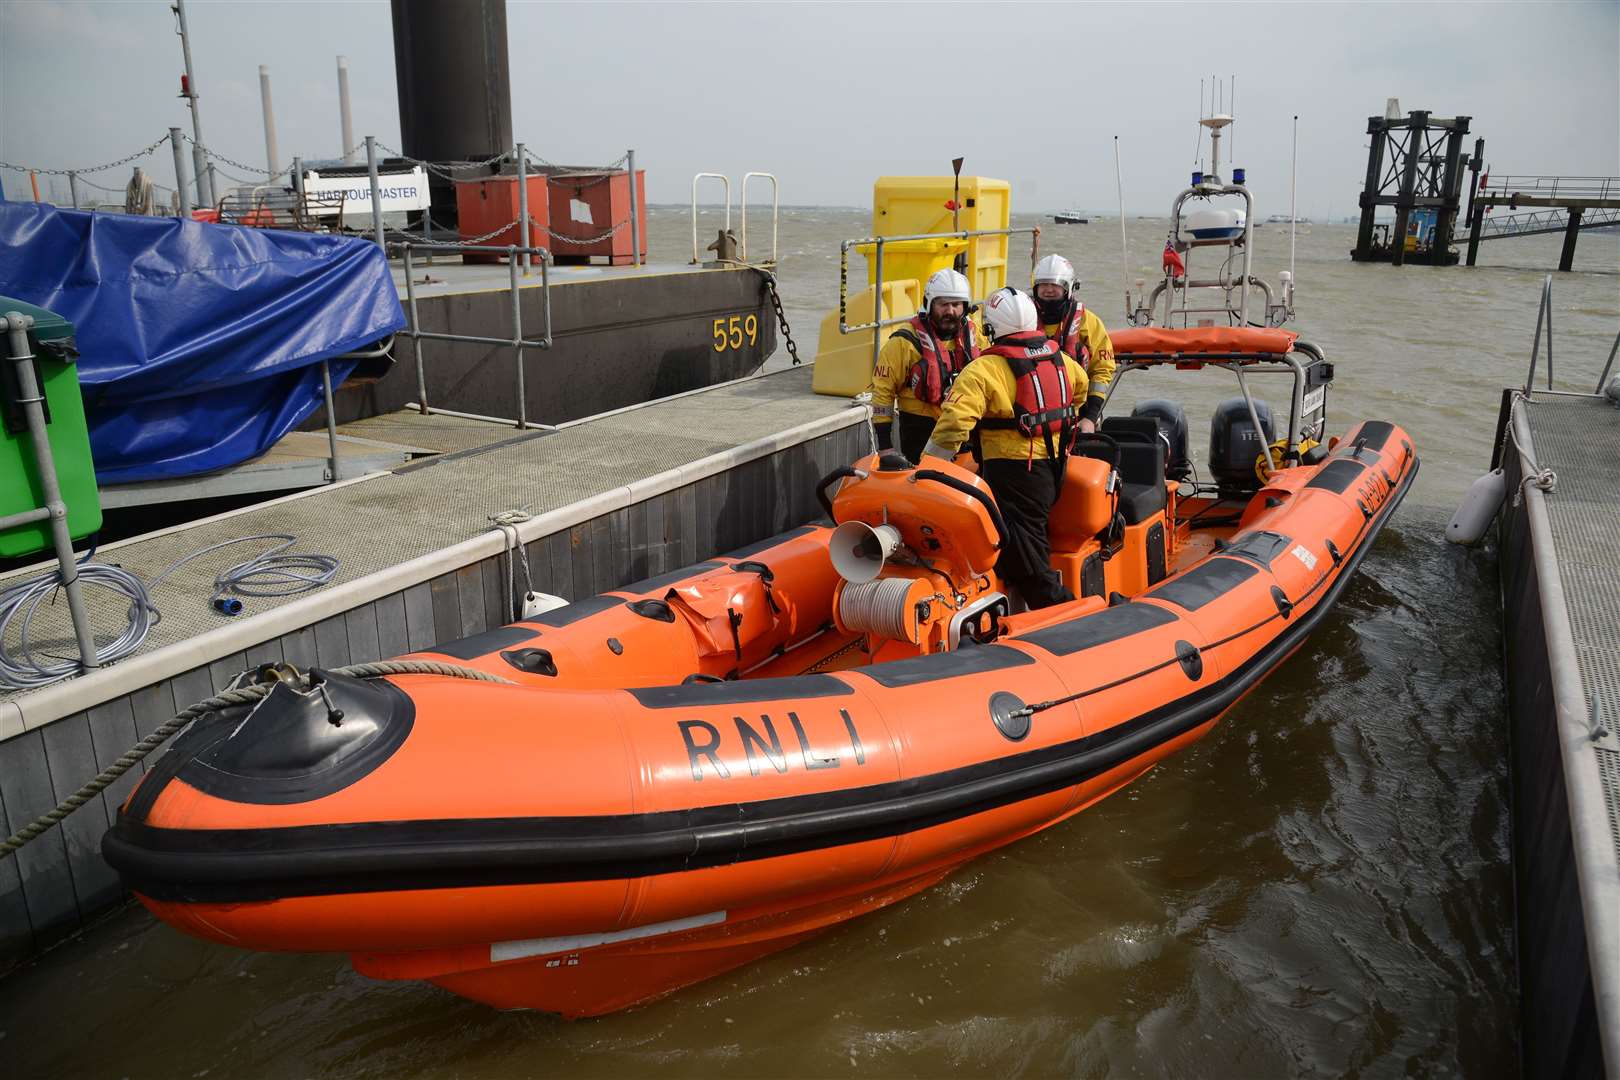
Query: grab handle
[(1098, 437), (827, 481), (984, 500)]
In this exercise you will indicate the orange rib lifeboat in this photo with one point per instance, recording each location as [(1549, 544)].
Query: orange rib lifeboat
[(697, 770)]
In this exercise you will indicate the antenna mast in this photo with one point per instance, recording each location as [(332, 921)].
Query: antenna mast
[(1124, 250)]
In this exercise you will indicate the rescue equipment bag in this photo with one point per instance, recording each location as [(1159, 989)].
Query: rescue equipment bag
[(931, 376)]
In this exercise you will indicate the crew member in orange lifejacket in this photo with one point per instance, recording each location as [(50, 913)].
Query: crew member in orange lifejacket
[(920, 361), (1021, 395), (1077, 330)]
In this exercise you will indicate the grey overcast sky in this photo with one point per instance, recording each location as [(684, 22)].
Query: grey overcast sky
[(830, 95)]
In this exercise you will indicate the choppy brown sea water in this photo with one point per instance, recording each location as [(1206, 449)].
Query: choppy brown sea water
[(1319, 888)]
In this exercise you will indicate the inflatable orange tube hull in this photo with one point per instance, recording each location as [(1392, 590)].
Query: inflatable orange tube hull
[(600, 833)]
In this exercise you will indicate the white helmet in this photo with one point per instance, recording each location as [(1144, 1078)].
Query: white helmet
[(1054, 270), (944, 285), (1008, 311)]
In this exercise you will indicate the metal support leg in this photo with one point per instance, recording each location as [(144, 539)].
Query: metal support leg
[(416, 340), (376, 192), (523, 206), (635, 216), (33, 408), (73, 187), (1566, 258), (331, 422), (180, 183), (517, 338)]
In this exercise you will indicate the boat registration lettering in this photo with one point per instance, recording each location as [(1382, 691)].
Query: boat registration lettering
[(1313, 401), (1303, 554), (730, 333), (761, 745)]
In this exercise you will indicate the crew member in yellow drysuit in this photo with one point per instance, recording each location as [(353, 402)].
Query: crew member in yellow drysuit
[(920, 361), (1021, 395), (1076, 329)]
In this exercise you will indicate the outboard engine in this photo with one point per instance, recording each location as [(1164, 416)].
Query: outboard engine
[(1172, 421), (1234, 445)]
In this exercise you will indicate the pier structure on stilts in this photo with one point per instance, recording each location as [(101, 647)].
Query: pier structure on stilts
[(1415, 164), (1552, 204)]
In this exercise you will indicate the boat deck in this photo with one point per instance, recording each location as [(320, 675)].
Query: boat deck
[(1561, 586), (417, 507), (447, 275)]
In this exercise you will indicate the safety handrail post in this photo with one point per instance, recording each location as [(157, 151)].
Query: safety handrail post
[(1543, 313), (877, 303), (742, 244), (517, 335), (331, 422), (416, 331), (724, 180), (877, 242), (32, 398), (1604, 375)]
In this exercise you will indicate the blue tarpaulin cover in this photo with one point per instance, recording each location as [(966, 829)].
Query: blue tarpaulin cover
[(200, 344)]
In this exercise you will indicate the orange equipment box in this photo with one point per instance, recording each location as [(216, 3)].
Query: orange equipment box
[(590, 202), (487, 203)]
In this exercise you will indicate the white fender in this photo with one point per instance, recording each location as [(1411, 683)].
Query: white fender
[(1478, 508)]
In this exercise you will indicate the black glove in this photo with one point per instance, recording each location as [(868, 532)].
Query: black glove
[(885, 435)]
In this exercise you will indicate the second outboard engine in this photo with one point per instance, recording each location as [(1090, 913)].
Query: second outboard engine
[(1234, 445), (1172, 421)]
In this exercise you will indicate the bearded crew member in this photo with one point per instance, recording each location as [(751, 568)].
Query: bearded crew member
[(920, 361), (1076, 329), (1021, 396)]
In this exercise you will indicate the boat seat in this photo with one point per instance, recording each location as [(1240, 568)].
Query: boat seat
[(1141, 465)]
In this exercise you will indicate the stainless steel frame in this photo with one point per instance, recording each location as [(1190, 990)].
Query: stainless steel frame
[(517, 341)]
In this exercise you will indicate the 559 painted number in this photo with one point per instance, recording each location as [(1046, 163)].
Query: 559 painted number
[(731, 333)]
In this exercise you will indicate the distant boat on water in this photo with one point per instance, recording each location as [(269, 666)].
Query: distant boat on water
[(1071, 217)]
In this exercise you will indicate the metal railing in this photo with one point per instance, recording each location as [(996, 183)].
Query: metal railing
[(517, 342), (742, 243), (707, 176), (1544, 319), (1538, 222), (877, 243), (1551, 187), (1543, 316)]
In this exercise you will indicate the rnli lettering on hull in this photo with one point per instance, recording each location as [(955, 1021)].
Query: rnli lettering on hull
[(762, 746)]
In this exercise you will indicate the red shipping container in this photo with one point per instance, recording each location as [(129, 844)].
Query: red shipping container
[(589, 203), (487, 203)]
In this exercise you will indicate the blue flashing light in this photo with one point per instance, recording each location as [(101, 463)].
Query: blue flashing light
[(1238, 175), (1198, 177)]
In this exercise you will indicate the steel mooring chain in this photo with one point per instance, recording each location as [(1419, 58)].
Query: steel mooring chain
[(781, 316)]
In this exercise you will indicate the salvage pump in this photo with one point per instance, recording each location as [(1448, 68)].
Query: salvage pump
[(915, 549)]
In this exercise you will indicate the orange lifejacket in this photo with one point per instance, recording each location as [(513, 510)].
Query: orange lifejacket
[(931, 376)]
